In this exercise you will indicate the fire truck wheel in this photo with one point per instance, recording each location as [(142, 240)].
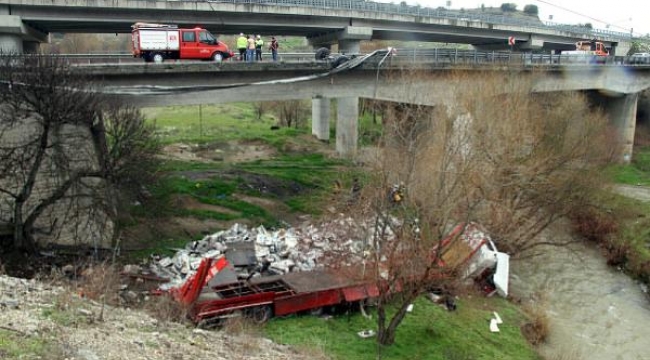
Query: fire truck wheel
[(217, 57), (260, 314), (158, 58)]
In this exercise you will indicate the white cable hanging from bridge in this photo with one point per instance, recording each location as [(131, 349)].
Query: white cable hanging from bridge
[(162, 90)]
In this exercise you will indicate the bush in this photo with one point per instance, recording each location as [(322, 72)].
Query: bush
[(531, 10), (537, 329), (508, 7), (593, 224)]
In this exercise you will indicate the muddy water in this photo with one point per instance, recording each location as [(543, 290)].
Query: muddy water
[(596, 312)]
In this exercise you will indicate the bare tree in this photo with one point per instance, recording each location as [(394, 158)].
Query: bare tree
[(261, 107), (291, 113), (59, 161), (496, 155), (541, 157)]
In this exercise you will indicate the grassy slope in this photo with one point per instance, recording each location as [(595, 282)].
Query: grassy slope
[(629, 248), (429, 333), (313, 174)]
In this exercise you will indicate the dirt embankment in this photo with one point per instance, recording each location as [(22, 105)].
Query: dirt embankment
[(46, 321)]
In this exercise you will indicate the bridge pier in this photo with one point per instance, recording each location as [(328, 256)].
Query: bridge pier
[(320, 118), (16, 37), (10, 44), (621, 111), (348, 39), (347, 125), (350, 46)]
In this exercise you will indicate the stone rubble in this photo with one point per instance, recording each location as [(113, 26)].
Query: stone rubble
[(260, 252)]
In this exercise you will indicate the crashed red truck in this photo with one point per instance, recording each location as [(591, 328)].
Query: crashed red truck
[(158, 42), (214, 292)]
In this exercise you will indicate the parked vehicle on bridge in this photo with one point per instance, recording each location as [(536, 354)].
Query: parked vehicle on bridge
[(639, 58), (592, 52), (157, 42)]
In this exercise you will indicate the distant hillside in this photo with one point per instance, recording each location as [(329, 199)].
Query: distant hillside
[(497, 11)]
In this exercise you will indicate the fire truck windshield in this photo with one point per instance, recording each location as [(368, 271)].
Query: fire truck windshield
[(206, 37)]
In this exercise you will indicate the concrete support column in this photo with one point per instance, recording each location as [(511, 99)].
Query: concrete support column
[(349, 46), (347, 125), (320, 118), (622, 113), (11, 44)]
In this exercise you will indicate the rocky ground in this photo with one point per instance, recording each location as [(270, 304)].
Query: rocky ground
[(50, 321)]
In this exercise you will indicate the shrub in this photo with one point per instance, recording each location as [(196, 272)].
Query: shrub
[(531, 9), (508, 7), (593, 224), (537, 329)]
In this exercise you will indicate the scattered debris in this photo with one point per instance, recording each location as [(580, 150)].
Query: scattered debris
[(495, 322), (364, 334), (497, 318), (493, 325)]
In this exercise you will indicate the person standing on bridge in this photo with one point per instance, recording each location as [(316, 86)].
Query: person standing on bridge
[(258, 48), (274, 48), (250, 53), (241, 46)]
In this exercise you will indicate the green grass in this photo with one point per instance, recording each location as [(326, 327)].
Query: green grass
[(637, 172), (429, 332), (17, 346), (210, 123)]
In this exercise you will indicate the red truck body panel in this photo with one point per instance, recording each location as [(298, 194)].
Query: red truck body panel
[(298, 291)]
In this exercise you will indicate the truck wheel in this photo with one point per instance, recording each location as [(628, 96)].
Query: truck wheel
[(339, 61), (217, 57), (260, 314), (322, 53), (317, 311), (158, 58)]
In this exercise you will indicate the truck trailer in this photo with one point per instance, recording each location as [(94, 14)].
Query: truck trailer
[(158, 42), (213, 293)]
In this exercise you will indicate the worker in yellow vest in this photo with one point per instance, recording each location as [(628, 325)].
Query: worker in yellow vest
[(241, 46), (258, 48)]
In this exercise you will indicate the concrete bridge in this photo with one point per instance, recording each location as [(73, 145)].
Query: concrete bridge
[(613, 87), (24, 23)]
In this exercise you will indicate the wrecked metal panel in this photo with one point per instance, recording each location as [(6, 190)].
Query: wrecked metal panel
[(300, 302), (311, 281), (355, 293)]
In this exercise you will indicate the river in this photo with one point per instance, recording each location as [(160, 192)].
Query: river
[(596, 312)]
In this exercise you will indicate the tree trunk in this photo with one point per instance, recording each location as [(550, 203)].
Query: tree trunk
[(19, 226)]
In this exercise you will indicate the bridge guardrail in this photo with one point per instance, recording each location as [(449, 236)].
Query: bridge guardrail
[(441, 56), (403, 9)]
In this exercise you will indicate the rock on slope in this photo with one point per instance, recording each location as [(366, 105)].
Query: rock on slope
[(73, 328)]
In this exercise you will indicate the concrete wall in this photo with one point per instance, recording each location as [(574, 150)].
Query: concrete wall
[(67, 222)]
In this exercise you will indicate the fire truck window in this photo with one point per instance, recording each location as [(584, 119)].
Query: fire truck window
[(189, 36), (206, 37)]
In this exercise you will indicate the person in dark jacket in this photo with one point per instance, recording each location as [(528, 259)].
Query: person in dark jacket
[(258, 48), (274, 48)]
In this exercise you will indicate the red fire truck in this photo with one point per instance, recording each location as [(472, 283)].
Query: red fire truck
[(157, 42)]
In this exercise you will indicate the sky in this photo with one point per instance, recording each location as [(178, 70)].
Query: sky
[(620, 15)]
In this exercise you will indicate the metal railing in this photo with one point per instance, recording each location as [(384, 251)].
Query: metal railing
[(127, 58), (412, 56), (403, 9)]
